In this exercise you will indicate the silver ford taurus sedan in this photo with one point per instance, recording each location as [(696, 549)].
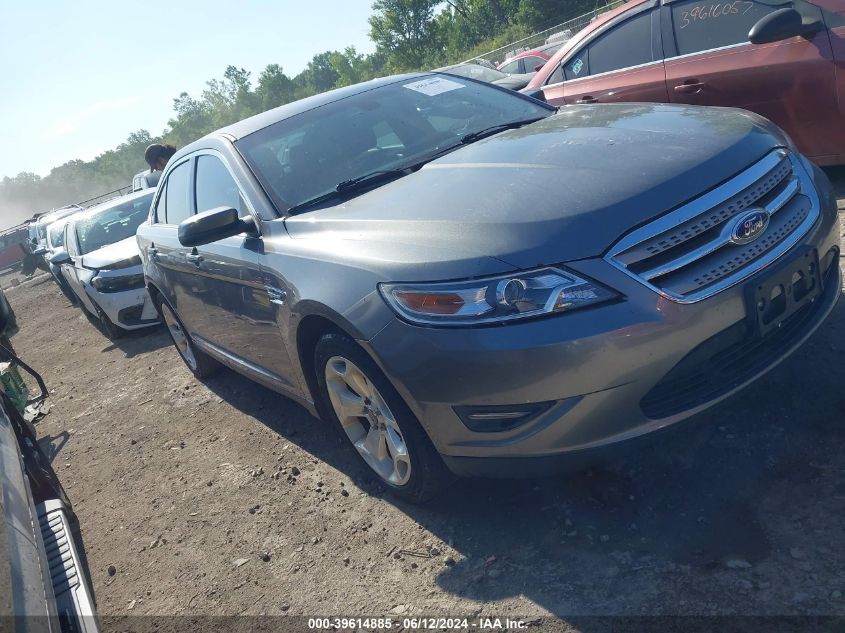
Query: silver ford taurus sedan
[(469, 281)]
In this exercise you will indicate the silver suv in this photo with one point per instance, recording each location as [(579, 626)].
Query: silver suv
[(469, 281)]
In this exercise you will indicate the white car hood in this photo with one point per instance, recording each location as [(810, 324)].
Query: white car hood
[(111, 254)]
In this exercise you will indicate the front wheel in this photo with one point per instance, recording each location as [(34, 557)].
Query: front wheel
[(376, 421), (200, 363), (111, 330)]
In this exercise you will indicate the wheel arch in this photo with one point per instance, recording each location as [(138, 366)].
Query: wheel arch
[(312, 323)]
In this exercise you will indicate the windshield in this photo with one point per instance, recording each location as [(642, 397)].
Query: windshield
[(390, 127), (113, 224), (42, 232), (57, 234)]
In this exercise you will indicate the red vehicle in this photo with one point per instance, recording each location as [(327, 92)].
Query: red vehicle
[(701, 52), (524, 62)]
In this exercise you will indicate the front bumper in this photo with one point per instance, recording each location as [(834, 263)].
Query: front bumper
[(129, 309), (601, 367)]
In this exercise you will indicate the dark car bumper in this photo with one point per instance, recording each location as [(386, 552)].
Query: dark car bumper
[(598, 376)]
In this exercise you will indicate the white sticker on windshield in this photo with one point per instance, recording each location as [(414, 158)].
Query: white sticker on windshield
[(434, 86)]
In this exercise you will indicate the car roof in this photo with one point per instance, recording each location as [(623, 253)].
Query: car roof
[(534, 52), (111, 203), (258, 122), (56, 214)]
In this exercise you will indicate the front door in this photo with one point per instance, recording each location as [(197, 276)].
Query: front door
[(622, 63), (711, 62), (237, 315)]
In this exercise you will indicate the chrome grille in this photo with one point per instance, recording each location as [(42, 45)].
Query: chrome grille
[(688, 255)]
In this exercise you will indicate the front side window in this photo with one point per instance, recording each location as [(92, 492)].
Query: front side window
[(532, 61), (557, 75), (389, 127), (625, 45), (215, 186), (577, 66), (705, 25), (176, 196), (112, 224)]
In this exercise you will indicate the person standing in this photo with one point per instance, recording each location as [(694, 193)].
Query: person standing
[(157, 156)]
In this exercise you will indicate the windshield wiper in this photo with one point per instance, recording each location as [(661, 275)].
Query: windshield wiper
[(308, 203), (495, 129), (354, 183), (376, 176)]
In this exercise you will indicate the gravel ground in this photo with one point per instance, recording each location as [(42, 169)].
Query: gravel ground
[(224, 498)]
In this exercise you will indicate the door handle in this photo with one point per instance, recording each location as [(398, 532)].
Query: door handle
[(194, 258), (587, 99), (690, 86)]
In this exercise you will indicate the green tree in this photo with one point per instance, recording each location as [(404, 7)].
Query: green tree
[(274, 88), (351, 67), (405, 32)]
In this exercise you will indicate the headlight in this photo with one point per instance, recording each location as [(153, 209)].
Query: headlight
[(118, 284), (125, 263), (496, 299)]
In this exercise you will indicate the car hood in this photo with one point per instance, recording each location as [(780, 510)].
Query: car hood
[(111, 254), (564, 188)]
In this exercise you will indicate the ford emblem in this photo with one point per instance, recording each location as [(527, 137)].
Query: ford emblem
[(749, 226)]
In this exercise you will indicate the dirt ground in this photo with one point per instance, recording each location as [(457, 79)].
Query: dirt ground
[(225, 498)]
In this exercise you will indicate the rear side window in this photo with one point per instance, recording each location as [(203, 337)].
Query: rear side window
[(215, 186), (705, 25), (176, 194), (511, 67)]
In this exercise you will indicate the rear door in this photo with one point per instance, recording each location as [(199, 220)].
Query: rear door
[(622, 62), (161, 243), (709, 61)]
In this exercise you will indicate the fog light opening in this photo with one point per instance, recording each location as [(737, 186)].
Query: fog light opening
[(495, 419)]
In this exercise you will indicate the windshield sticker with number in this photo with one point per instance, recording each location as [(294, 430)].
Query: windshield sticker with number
[(434, 86)]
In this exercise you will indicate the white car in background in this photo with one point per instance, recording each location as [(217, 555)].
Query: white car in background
[(102, 265), (145, 180), (56, 245)]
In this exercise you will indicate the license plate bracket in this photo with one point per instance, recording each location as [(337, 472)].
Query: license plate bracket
[(791, 286)]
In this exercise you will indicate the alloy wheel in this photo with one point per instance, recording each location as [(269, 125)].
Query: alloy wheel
[(367, 421), (180, 339)]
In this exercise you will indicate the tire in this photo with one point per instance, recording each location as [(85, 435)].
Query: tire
[(201, 364), (108, 326), (386, 435), (6, 343)]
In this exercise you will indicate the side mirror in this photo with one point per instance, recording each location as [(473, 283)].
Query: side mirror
[(60, 257), (780, 25), (39, 251), (213, 225), (538, 67), (535, 93)]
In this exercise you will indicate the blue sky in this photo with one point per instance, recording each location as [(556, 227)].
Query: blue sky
[(77, 77)]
